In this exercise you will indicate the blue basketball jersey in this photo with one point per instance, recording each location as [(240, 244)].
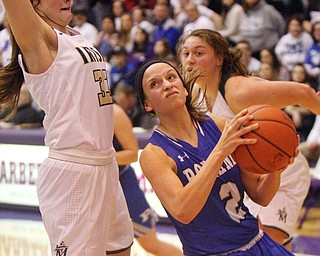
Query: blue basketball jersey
[(224, 223)]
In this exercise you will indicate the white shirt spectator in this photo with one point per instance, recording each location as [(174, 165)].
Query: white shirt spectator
[(196, 20)]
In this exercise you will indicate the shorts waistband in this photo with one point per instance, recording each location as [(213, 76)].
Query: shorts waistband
[(102, 157), (245, 247)]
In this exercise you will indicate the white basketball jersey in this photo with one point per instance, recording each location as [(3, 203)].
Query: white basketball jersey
[(75, 96)]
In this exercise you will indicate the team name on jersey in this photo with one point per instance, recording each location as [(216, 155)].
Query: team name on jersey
[(228, 164), (89, 54)]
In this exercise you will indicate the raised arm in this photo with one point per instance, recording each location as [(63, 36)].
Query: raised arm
[(35, 37)]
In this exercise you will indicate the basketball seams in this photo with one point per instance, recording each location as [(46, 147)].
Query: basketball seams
[(277, 144), (271, 143), (254, 160), (275, 121)]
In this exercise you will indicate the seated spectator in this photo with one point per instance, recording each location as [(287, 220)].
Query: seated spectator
[(232, 14), (311, 147), (195, 20), (301, 117), (165, 26), (262, 25), (81, 24), (312, 14), (293, 46), (103, 43), (125, 31), (312, 61), (267, 72), (122, 70), (118, 8), (142, 48), (125, 97), (181, 18), (140, 20), (251, 62), (268, 56), (161, 50), (26, 114)]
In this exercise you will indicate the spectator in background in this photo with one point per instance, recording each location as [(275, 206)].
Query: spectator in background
[(288, 8), (161, 50), (232, 14), (26, 114), (5, 44), (252, 64), (302, 118), (126, 33), (262, 25), (312, 61), (140, 20), (103, 43), (196, 20), (181, 18), (142, 49), (293, 46), (81, 24), (125, 97), (118, 9), (312, 14), (267, 72), (268, 56), (311, 147), (165, 27), (122, 71)]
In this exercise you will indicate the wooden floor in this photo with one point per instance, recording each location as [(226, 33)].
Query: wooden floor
[(28, 237)]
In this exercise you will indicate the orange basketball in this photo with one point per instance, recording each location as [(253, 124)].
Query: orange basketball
[(276, 141)]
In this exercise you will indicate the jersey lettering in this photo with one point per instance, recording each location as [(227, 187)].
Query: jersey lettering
[(104, 96), (230, 193), (89, 54)]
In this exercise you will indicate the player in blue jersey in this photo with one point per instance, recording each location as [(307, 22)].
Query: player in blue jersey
[(188, 164), (229, 88), (143, 216)]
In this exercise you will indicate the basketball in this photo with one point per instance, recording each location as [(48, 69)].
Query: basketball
[(276, 141)]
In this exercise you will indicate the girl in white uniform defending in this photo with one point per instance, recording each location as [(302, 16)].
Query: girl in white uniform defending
[(229, 89), (80, 197)]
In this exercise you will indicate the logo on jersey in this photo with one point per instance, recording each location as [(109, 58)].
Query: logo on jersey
[(282, 215), (89, 54), (181, 158), (61, 249)]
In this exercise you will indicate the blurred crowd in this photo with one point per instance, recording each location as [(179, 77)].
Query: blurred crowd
[(280, 40)]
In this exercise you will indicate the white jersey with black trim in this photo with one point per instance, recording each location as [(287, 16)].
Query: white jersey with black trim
[(75, 96)]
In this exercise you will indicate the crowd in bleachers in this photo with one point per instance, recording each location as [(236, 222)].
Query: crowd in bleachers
[(277, 37)]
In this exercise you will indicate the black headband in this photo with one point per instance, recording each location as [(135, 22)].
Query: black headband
[(139, 76)]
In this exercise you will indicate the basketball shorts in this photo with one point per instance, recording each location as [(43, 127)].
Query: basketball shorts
[(144, 218), (283, 211), (83, 208), (266, 247)]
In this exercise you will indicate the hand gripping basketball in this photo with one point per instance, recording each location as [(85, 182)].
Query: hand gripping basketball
[(276, 141)]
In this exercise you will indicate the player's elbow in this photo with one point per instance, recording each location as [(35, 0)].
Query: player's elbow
[(183, 215)]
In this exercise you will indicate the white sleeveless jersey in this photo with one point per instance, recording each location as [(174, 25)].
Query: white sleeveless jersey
[(221, 108), (75, 96)]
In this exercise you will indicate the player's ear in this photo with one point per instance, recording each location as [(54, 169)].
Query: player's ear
[(147, 106), (186, 92)]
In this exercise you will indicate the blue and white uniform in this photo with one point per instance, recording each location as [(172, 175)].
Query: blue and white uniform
[(224, 225), (80, 196)]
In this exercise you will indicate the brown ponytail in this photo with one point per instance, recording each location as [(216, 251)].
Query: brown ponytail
[(11, 79)]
